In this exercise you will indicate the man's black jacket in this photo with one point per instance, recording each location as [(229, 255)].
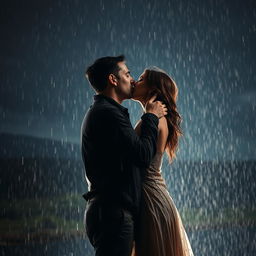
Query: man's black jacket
[(114, 156)]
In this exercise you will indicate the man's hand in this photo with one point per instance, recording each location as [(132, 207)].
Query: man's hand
[(157, 107)]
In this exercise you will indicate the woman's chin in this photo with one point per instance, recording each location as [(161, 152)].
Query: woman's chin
[(134, 97)]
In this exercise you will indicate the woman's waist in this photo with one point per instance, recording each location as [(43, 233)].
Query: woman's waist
[(154, 178)]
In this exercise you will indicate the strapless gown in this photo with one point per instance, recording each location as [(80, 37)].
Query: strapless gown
[(160, 229)]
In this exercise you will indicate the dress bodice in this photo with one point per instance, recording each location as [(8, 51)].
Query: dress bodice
[(153, 172), (156, 162)]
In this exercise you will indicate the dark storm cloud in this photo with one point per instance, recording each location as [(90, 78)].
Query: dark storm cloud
[(208, 48)]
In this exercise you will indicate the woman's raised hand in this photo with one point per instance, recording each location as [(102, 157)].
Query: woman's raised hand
[(156, 107)]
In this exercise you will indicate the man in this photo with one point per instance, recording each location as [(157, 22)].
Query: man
[(115, 157)]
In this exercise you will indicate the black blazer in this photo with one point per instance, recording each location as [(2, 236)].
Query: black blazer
[(114, 156)]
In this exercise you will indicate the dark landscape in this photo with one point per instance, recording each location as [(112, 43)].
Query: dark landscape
[(42, 203)]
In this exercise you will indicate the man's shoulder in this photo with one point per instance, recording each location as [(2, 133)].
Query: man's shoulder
[(104, 111), (103, 108), (99, 115)]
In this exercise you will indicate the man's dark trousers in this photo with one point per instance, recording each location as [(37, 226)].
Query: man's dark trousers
[(110, 228)]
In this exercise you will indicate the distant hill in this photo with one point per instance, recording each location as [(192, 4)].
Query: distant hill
[(17, 146), (32, 178), (32, 167), (36, 167)]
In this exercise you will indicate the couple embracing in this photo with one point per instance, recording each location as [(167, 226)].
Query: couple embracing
[(129, 210)]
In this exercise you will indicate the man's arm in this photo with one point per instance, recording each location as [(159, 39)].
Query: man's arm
[(139, 149)]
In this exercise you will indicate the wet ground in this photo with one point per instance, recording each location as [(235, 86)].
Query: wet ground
[(228, 241)]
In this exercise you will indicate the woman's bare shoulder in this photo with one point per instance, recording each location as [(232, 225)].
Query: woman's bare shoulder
[(163, 125), (162, 134)]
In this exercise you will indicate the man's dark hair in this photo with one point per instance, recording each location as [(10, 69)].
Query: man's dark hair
[(99, 71)]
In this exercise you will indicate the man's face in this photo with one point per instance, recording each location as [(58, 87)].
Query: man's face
[(125, 82)]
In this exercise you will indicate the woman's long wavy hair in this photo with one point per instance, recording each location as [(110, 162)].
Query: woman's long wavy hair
[(166, 90)]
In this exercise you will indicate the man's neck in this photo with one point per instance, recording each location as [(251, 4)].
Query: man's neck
[(112, 95)]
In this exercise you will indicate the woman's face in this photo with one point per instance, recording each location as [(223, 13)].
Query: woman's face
[(141, 89)]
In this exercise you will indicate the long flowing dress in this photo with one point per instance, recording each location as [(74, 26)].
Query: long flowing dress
[(161, 232)]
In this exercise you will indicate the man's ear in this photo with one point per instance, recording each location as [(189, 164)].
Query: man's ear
[(112, 79)]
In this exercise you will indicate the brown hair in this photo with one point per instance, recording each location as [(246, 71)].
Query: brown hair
[(98, 72), (166, 90)]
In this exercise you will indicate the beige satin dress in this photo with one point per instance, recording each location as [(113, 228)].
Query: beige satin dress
[(161, 232)]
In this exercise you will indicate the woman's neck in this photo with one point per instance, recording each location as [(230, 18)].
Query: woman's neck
[(143, 103)]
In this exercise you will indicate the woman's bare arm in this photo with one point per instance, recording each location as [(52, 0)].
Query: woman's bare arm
[(163, 132)]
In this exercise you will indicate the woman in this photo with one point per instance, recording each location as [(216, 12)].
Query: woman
[(160, 230)]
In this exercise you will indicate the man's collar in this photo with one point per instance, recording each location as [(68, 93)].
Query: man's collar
[(112, 101)]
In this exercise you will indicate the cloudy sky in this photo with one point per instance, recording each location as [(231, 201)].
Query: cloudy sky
[(208, 47)]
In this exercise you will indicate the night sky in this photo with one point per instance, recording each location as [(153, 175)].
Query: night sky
[(208, 47)]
